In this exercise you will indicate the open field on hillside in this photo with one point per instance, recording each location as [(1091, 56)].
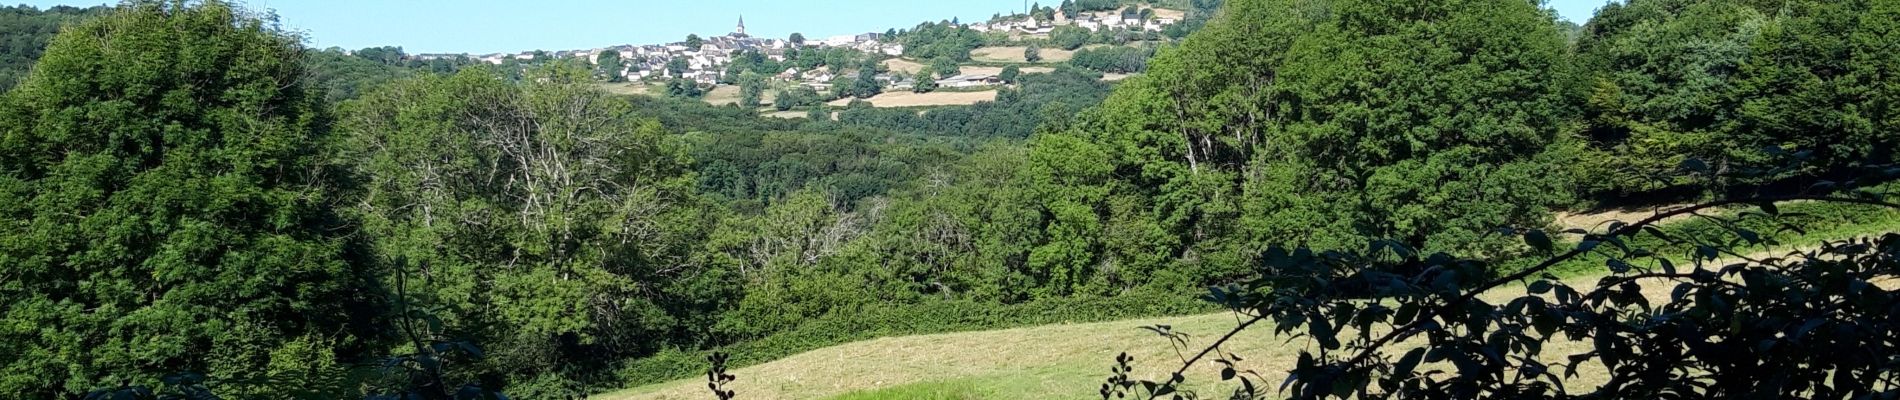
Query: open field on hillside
[(911, 67), (1170, 14), (631, 88), (722, 95), (1014, 54), (908, 99), (1047, 362), (1069, 361), (999, 70), (903, 65)]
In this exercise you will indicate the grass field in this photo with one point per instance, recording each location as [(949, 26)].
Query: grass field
[(999, 70), (908, 99), (911, 67), (904, 65), (1070, 361), (1045, 362), (722, 95), (632, 88), (1014, 54), (1170, 14)]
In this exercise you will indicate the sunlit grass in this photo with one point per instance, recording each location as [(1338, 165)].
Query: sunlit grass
[(1070, 361)]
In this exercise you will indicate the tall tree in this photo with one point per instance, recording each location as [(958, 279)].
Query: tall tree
[(926, 80), (751, 89), (165, 178), (866, 85), (677, 66), (945, 67), (549, 217), (1010, 74), (1267, 129), (610, 66)]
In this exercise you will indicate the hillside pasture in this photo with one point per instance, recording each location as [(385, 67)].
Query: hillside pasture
[(999, 70), (628, 88), (908, 99), (722, 95), (1069, 361), (1014, 54), (1047, 362), (904, 65)]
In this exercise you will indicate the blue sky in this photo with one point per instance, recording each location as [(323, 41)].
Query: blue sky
[(485, 26)]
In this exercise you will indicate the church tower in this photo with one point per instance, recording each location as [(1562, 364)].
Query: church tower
[(741, 31)]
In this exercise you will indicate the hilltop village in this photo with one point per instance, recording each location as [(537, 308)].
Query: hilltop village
[(823, 65)]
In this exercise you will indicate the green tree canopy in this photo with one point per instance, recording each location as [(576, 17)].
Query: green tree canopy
[(1670, 80), (169, 209), (24, 33), (610, 66), (751, 89), (1069, 37), (549, 216), (1325, 128)]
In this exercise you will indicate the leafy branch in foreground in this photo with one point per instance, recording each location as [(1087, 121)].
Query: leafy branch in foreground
[(1813, 323), (717, 378)]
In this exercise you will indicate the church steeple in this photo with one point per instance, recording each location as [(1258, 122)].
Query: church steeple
[(741, 31)]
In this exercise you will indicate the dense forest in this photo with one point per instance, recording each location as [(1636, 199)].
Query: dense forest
[(24, 31), (192, 190)]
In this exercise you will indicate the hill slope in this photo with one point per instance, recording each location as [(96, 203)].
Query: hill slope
[(1067, 361), (1047, 362)]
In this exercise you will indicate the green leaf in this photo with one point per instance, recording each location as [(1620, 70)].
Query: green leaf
[(1540, 287), (1539, 240), (1408, 362), (1405, 314)]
